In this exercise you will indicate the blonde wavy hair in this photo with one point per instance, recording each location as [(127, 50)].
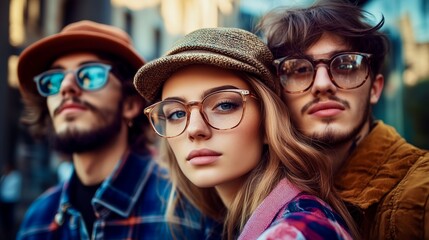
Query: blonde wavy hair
[(288, 155)]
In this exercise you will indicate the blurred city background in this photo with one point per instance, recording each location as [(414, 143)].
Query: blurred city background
[(154, 25)]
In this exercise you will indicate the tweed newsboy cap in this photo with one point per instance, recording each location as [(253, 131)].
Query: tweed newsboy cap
[(228, 48)]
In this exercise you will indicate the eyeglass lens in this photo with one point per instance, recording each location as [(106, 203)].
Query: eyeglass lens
[(347, 71), (89, 77), (221, 110)]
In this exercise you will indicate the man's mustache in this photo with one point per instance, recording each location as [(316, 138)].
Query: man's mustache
[(74, 100), (332, 98)]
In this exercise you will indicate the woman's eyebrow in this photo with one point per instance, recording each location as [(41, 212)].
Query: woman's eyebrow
[(205, 93), (224, 87)]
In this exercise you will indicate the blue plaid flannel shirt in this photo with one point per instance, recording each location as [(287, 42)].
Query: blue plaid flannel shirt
[(130, 204)]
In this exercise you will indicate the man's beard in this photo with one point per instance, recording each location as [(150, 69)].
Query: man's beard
[(332, 138), (75, 141)]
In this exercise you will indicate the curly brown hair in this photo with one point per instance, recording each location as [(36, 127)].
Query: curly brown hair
[(291, 31)]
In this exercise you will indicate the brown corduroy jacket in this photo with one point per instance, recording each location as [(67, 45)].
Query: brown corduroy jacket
[(385, 184)]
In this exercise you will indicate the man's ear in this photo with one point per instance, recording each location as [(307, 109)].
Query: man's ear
[(133, 105), (376, 89)]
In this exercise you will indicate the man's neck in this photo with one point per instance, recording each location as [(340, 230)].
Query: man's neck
[(94, 166), (339, 154)]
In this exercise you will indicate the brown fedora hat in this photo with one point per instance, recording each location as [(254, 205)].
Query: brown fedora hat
[(85, 36), (229, 48)]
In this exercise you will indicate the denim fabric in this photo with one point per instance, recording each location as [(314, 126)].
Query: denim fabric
[(130, 204)]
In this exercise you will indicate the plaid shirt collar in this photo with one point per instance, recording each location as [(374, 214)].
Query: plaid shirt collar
[(120, 191)]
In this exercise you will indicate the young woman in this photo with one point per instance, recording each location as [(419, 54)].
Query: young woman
[(228, 141)]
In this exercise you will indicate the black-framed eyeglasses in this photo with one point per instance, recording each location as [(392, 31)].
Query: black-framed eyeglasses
[(90, 77), (347, 70), (221, 110)]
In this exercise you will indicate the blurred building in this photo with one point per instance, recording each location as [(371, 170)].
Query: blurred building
[(155, 24), (407, 68)]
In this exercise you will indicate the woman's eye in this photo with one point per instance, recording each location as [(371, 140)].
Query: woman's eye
[(176, 115), (226, 106)]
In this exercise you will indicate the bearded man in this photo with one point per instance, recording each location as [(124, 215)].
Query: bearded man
[(78, 87)]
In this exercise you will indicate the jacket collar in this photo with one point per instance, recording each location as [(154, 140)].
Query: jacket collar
[(375, 167), (120, 191)]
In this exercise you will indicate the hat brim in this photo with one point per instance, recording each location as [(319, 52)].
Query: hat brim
[(38, 57), (150, 78)]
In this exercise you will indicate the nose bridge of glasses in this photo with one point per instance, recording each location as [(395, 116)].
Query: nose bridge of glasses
[(326, 77), (69, 77), (321, 63), (192, 104), (199, 121), (325, 63), (198, 105)]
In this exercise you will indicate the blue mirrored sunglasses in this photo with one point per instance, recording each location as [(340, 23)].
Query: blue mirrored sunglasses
[(90, 77)]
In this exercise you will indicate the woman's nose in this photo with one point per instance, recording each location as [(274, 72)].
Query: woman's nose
[(197, 127)]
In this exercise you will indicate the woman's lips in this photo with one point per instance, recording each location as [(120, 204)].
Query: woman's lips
[(202, 157)]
